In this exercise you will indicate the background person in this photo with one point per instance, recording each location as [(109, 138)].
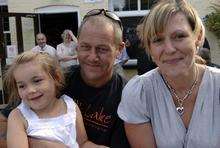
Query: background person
[(42, 45), (120, 60), (170, 107), (66, 51)]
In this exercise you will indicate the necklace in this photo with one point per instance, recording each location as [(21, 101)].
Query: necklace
[(180, 101)]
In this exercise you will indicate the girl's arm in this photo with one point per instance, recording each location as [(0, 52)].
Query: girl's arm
[(140, 135), (82, 138), (16, 133)]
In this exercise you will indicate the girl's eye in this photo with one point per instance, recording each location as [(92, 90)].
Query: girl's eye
[(20, 86), (37, 80)]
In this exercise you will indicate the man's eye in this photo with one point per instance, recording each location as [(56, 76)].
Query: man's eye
[(84, 47), (102, 49)]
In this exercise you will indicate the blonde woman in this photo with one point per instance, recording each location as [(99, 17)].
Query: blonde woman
[(66, 51), (177, 104)]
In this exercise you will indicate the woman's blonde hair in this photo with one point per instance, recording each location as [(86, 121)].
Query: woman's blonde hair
[(156, 21), (48, 63), (67, 32)]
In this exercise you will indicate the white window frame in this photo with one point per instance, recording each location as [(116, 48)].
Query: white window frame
[(132, 13)]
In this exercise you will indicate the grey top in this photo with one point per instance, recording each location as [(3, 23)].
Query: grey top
[(146, 98)]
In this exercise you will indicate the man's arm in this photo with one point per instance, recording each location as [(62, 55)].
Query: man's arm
[(118, 138), (3, 130), (38, 143)]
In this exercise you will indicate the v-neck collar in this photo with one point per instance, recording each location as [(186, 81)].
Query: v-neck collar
[(199, 100)]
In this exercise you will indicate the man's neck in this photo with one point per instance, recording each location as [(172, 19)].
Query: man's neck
[(97, 83), (42, 47)]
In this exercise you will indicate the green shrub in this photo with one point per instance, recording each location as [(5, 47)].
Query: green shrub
[(212, 21)]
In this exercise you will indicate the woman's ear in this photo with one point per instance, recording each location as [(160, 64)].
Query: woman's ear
[(200, 38)]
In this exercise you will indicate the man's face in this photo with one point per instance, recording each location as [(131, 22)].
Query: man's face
[(41, 40), (97, 52)]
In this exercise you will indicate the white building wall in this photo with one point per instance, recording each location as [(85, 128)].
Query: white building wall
[(30, 6), (40, 6)]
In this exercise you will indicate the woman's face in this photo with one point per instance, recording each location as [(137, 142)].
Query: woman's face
[(68, 38), (174, 49)]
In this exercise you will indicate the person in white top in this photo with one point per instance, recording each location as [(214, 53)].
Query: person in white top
[(42, 45), (120, 60), (66, 51), (36, 78)]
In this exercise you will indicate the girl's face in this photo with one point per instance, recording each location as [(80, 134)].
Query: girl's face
[(35, 87), (174, 49)]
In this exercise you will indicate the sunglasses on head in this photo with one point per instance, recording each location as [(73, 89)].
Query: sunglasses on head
[(106, 13)]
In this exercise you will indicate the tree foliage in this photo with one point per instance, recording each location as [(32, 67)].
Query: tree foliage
[(213, 20)]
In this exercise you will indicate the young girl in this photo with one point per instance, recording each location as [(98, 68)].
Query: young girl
[(36, 79)]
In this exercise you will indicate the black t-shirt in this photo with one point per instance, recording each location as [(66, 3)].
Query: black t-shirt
[(99, 108)]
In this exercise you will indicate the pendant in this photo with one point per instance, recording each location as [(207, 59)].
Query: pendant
[(180, 110)]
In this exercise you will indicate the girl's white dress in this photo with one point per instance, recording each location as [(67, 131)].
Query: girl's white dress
[(60, 129)]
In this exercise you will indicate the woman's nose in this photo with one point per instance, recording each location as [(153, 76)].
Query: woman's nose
[(168, 46)]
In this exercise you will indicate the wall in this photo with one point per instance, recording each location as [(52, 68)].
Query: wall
[(29, 6)]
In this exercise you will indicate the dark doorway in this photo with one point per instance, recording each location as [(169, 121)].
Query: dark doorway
[(129, 33), (54, 24), (130, 23)]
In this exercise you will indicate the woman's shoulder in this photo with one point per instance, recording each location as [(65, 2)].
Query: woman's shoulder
[(141, 82), (213, 70), (143, 79)]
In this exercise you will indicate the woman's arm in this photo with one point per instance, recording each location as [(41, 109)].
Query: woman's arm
[(16, 133), (140, 135)]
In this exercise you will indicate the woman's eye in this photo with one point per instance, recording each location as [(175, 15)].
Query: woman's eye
[(179, 36), (157, 40)]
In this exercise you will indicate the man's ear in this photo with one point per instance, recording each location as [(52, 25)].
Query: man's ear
[(77, 47), (120, 48)]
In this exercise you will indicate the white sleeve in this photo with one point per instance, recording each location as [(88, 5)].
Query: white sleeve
[(133, 107)]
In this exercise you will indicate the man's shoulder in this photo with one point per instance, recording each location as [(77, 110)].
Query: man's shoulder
[(119, 80), (72, 72), (50, 47), (35, 48)]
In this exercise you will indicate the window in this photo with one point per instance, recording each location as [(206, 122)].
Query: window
[(132, 5), (6, 28), (146, 4)]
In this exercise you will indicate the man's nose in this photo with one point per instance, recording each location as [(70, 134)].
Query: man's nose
[(94, 54)]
